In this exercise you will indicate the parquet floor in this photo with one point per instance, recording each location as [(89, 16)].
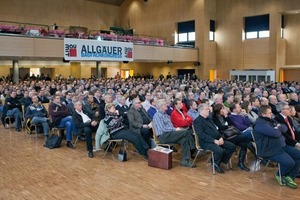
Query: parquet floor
[(30, 171)]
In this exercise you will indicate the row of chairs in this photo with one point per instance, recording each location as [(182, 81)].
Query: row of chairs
[(201, 151)]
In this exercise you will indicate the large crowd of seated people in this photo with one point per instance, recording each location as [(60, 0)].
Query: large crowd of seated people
[(224, 114)]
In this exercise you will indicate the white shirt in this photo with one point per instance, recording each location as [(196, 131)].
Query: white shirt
[(85, 118)]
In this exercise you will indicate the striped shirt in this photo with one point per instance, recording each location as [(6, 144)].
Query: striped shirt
[(162, 123)]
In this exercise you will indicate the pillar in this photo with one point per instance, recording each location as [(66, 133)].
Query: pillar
[(98, 69), (16, 71)]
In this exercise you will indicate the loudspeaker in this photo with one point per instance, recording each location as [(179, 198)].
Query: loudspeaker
[(196, 63), (125, 62)]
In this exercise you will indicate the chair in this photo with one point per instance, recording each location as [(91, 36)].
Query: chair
[(114, 142), (203, 151), (259, 159), (156, 141)]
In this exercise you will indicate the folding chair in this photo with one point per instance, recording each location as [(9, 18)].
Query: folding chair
[(114, 142), (203, 151), (156, 141), (258, 161)]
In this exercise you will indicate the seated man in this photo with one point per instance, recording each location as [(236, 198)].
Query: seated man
[(292, 137), (239, 119), (211, 139), (38, 114), (13, 108), (86, 125), (61, 118), (167, 133), (271, 145), (153, 109), (139, 120), (180, 118), (193, 111)]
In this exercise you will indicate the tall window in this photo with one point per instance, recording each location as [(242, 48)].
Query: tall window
[(186, 33), (282, 26), (212, 30), (257, 26)]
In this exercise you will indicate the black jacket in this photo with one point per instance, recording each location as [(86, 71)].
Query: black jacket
[(206, 130)]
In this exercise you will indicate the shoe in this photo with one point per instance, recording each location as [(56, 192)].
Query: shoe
[(289, 181), (218, 169), (187, 164), (298, 176), (242, 166), (18, 130), (95, 150), (278, 180), (90, 154), (70, 145)]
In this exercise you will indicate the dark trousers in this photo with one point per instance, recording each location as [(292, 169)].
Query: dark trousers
[(146, 134), (241, 141), (135, 138), (182, 137), (221, 153), (289, 161), (88, 136)]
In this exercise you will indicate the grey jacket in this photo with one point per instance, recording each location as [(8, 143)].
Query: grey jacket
[(135, 119)]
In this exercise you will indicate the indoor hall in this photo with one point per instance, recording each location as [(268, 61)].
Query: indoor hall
[(30, 171)]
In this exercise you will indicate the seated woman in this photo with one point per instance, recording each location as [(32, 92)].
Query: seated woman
[(220, 114), (251, 114), (118, 131)]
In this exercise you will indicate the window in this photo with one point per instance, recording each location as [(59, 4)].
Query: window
[(212, 30), (257, 26), (282, 26), (186, 33)]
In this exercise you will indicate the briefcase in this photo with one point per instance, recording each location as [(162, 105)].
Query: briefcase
[(160, 159)]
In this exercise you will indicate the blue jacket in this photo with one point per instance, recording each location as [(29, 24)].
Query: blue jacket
[(269, 140)]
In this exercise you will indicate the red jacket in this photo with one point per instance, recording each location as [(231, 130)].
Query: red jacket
[(179, 121)]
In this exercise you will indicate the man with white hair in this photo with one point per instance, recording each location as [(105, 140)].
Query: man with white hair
[(167, 133), (211, 139)]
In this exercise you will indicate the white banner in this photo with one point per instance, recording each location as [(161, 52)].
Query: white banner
[(94, 50)]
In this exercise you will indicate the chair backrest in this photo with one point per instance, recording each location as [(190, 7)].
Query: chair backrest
[(197, 144), (46, 105), (155, 138)]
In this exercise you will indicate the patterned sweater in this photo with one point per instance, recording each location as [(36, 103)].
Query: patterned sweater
[(113, 121)]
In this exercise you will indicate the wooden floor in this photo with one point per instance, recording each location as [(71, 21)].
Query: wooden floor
[(30, 171)]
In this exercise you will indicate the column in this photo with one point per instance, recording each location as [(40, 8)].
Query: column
[(98, 69), (16, 71)]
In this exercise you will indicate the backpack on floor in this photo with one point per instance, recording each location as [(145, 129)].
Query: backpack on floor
[(53, 141)]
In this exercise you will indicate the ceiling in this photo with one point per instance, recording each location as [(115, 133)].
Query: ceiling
[(110, 2)]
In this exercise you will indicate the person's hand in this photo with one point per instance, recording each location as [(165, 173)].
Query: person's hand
[(178, 129), (217, 142), (145, 126), (117, 111), (221, 141)]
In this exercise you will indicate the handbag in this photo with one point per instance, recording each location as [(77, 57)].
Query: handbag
[(122, 156), (231, 132)]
